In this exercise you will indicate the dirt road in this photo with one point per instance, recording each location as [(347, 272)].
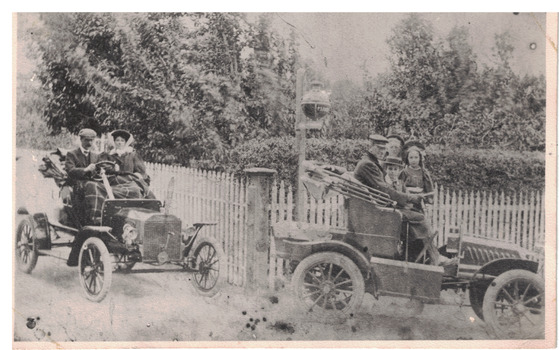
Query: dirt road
[(49, 306), (164, 307)]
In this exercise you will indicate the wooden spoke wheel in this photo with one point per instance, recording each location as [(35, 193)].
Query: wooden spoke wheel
[(514, 305), (25, 246), (209, 263), (328, 284), (95, 269)]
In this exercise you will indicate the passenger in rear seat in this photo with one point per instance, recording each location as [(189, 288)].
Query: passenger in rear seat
[(369, 172)]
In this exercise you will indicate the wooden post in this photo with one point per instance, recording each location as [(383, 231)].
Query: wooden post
[(258, 226), (300, 139)]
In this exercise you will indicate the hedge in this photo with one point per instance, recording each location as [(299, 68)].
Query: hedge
[(458, 169)]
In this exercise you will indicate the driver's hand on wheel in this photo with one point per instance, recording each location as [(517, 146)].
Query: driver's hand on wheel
[(90, 167)]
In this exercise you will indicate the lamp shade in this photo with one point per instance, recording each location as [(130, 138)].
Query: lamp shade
[(315, 105)]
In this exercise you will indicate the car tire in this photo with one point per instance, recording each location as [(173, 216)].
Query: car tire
[(514, 306), (209, 261), (328, 285), (95, 269), (26, 252)]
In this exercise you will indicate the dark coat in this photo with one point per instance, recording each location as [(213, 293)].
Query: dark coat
[(369, 172), (130, 162), (76, 162)]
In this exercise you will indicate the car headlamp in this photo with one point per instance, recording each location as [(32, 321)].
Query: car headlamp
[(129, 233), (187, 233)]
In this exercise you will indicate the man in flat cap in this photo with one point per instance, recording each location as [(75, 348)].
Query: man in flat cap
[(80, 163), (370, 172), (80, 166)]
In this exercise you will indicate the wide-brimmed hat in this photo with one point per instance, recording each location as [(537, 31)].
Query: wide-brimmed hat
[(378, 139), (393, 161), (121, 133)]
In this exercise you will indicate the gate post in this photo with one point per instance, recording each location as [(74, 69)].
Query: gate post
[(258, 226)]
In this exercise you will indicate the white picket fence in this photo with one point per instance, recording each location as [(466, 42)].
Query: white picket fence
[(208, 196), (200, 196)]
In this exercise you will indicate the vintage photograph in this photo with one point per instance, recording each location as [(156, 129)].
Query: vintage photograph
[(219, 178)]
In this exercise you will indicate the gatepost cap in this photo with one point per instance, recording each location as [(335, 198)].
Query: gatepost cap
[(376, 138), (87, 133)]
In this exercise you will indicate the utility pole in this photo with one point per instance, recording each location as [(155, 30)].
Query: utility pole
[(300, 137)]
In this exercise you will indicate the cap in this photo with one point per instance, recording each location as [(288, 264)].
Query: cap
[(87, 133), (376, 138)]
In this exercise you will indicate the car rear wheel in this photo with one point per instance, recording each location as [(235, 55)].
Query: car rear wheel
[(209, 263), (95, 269), (514, 304), (25, 246), (328, 284)]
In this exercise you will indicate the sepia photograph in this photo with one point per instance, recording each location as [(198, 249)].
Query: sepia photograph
[(286, 179)]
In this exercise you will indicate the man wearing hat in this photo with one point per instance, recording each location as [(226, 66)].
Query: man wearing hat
[(80, 162), (80, 165), (370, 172)]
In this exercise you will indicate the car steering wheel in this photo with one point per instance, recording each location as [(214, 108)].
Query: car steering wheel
[(106, 165)]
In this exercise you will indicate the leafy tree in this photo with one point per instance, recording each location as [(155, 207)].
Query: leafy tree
[(187, 85)]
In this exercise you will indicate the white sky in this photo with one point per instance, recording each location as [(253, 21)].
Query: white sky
[(349, 39)]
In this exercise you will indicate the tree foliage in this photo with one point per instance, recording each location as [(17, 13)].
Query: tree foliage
[(198, 87), (188, 86), (436, 91)]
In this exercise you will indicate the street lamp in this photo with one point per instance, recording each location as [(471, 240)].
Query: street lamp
[(311, 109)]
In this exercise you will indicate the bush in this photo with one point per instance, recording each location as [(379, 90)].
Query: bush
[(457, 169)]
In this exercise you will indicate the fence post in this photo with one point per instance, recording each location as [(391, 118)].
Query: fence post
[(258, 226)]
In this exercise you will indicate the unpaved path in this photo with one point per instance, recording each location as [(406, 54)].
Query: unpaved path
[(164, 307), (49, 305)]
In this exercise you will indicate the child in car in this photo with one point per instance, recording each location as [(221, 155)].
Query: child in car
[(393, 167), (414, 176)]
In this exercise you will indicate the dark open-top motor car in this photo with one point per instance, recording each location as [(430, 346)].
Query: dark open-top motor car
[(131, 231), (334, 267)]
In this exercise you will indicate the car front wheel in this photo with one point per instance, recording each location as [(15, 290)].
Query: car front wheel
[(513, 306), (95, 269), (328, 284)]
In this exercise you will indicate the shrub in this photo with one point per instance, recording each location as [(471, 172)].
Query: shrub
[(458, 169)]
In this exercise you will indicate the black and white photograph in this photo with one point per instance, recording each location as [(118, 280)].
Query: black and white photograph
[(295, 179)]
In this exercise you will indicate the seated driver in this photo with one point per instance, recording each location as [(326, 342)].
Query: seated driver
[(80, 167), (369, 172), (89, 190)]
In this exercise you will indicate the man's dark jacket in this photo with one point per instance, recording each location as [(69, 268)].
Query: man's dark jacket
[(76, 162), (369, 172)]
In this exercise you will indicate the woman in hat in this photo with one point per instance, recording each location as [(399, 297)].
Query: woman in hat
[(414, 176), (128, 160)]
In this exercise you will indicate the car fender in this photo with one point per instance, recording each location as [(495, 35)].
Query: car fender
[(496, 267), (338, 247), (42, 227)]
